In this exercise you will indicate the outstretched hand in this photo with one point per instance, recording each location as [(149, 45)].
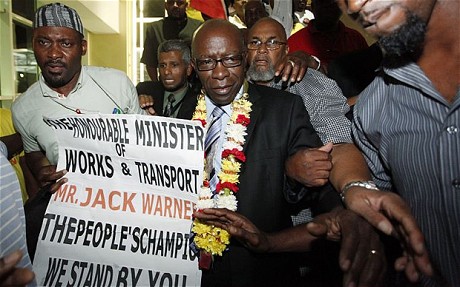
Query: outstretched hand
[(389, 213), (310, 167), (237, 226), (362, 257)]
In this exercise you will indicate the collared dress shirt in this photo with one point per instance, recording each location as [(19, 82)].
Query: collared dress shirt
[(225, 118), (325, 104), (178, 96), (410, 136), (98, 90), (12, 219)]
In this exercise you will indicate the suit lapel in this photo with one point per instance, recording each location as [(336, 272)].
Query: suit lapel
[(254, 98), (158, 98), (188, 105)]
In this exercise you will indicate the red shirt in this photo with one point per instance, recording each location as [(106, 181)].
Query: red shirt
[(319, 44)]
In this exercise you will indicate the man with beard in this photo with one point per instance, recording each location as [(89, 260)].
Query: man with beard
[(407, 124), (176, 26), (266, 44), (322, 98), (173, 96), (64, 88)]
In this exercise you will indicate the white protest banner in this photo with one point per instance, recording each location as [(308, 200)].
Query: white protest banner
[(124, 216)]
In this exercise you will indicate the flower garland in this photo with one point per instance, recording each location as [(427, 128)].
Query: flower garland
[(211, 239)]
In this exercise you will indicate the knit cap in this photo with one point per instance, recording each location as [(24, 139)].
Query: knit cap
[(58, 15)]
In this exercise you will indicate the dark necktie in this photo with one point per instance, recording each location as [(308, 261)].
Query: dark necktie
[(169, 106), (210, 145)]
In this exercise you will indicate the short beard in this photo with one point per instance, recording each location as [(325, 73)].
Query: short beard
[(260, 76), (406, 42), (55, 82)]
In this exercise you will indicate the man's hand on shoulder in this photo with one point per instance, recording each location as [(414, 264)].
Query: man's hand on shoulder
[(293, 67)]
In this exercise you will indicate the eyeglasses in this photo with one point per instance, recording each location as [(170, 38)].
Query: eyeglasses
[(210, 64), (271, 44)]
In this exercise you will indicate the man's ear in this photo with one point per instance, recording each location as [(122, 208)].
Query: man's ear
[(192, 64), (84, 47), (245, 61)]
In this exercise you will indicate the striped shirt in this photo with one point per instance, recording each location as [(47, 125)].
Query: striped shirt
[(12, 219), (410, 136), (325, 104)]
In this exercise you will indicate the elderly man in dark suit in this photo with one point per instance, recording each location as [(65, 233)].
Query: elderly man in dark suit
[(277, 127), (173, 96)]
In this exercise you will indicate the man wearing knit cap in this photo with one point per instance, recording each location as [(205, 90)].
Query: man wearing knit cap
[(64, 88)]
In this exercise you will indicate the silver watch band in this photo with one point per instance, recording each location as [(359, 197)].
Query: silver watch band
[(369, 184)]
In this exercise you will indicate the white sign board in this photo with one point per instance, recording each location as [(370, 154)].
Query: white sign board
[(124, 216)]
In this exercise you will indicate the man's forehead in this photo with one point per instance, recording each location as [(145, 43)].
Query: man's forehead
[(266, 29), (50, 31), (171, 55), (217, 44)]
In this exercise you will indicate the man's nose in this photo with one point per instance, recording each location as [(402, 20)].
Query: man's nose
[(220, 72), (55, 51), (351, 6)]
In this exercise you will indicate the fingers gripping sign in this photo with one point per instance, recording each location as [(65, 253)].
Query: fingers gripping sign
[(48, 176)]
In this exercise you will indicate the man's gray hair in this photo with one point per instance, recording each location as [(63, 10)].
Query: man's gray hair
[(175, 45)]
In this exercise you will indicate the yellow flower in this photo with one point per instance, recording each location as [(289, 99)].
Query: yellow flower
[(228, 177), (199, 115), (211, 239), (230, 166)]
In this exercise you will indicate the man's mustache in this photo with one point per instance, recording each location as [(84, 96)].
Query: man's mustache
[(55, 63)]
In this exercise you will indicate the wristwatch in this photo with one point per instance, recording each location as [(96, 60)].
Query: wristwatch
[(366, 184)]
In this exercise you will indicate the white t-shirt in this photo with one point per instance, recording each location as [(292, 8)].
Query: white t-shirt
[(98, 90)]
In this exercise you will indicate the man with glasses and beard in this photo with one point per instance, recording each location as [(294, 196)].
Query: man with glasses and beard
[(406, 122), (267, 45)]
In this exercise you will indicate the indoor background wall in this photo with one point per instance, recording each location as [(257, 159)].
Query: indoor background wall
[(108, 30), (112, 50)]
